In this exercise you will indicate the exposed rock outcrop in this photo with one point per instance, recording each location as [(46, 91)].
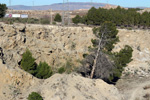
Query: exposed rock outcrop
[(17, 85), (53, 44), (139, 41), (14, 81)]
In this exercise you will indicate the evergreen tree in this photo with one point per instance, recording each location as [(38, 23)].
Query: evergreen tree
[(110, 35), (35, 96), (91, 15), (58, 18), (103, 63), (107, 34), (77, 19), (3, 9), (124, 56), (28, 62), (61, 70), (121, 59), (43, 71), (119, 16)]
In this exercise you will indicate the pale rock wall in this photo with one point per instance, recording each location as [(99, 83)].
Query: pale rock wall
[(139, 40), (13, 82), (53, 44)]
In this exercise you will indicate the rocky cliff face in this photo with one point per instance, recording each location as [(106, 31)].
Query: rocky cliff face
[(13, 82), (139, 40), (56, 45), (53, 44)]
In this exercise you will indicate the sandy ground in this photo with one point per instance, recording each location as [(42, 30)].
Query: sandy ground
[(133, 88)]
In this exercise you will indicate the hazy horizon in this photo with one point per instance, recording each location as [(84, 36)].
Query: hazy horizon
[(126, 3)]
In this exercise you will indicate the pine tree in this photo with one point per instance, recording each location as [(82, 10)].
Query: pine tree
[(107, 35), (43, 71), (28, 62), (110, 37), (119, 16), (121, 59)]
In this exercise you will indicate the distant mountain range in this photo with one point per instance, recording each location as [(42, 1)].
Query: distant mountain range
[(59, 6)]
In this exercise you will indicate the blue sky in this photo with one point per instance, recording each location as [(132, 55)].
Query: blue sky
[(124, 3)]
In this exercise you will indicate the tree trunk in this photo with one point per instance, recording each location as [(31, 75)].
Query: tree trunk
[(95, 60)]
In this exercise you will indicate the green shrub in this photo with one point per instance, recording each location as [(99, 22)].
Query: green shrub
[(129, 28), (44, 21), (28, 62), (35, 96), (124, 56), (61, 70), (43, 71), (68, 67), (33, 21)]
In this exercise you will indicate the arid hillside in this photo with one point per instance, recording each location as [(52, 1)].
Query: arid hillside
[(56, 45), (139, 40)]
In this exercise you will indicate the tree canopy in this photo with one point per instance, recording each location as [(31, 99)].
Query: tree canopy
[(77, 19), (110, 35), (41, 71), (35, 96), (102, 62), (3, 9), (58, 18), (28, 62), (119, 16)]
